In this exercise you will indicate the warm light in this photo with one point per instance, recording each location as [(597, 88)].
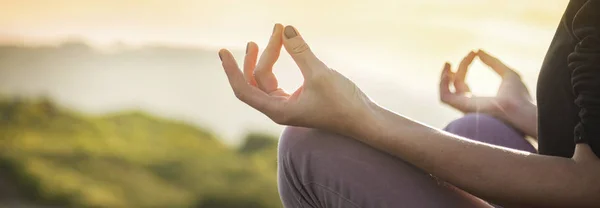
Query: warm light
[(393, 49)]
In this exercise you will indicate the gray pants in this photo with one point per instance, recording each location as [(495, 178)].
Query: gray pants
[(317, 169)]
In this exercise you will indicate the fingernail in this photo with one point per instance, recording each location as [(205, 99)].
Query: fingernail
[(247, 46), (221, 58), (290, 32), (274, 28)]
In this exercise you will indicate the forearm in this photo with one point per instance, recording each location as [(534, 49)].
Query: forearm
[(522, 116), (502, 175)]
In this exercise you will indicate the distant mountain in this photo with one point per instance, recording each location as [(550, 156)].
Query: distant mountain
[(175, 82), (58, 156), (183, 83)]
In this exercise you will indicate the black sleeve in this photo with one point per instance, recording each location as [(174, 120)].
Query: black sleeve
[(585, 65)]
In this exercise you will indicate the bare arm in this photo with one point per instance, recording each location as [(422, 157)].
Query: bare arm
[(502, 175), (327, 100), (512, 102)]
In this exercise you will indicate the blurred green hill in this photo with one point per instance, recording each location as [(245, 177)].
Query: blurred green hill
[(58, 156)]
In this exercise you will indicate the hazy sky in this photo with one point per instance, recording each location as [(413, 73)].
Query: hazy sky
[(518, 31), (219, 22), (400, 44)]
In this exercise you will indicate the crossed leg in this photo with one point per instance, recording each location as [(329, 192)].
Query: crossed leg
[(317, 169)]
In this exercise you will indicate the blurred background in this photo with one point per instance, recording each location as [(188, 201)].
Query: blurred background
[(118, 103)]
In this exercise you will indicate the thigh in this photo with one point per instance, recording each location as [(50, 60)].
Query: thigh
[(320, 169)]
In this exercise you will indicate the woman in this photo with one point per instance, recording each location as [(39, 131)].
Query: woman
[(346, 151)]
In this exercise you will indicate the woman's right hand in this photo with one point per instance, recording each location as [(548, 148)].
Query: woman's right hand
[(326, 100), (512, 102)]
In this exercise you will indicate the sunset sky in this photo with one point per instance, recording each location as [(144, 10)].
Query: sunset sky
[(225, 22), (443, 27), (401, 44)]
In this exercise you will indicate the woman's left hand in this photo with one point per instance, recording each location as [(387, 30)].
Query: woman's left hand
[(512, 92), (512, 102), (326, 99)]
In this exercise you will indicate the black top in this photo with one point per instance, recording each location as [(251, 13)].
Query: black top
[(568, 95)]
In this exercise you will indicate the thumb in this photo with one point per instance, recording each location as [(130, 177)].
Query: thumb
[(300, 51), (491, 61)]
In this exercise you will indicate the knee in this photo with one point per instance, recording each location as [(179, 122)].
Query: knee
[(484, 128), (487, 129), (296, 144), (300, 142), (301, 154), (291, 136), (326, 167), (474, 124)]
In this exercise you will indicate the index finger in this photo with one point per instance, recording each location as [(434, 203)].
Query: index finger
[(463, 67), (461, 73), (445, 80), (248, 94)]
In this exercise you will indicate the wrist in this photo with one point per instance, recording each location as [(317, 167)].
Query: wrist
[(366, 121), (377, 122), (507, 109), (522, 115)]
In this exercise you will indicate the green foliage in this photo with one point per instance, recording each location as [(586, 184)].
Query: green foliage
[(255, 142), (130, 159)]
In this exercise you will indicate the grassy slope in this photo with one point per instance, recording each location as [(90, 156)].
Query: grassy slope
[(128, 159)]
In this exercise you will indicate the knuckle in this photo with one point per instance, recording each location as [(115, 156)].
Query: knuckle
[(321, 76), (239, 95), (258, 72), (279, 120), (300, 48), (280, 117), (443, 98), (318, 79), (261, 72), (260, 69)]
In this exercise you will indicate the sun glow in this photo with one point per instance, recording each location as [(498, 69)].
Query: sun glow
[(393, 49)]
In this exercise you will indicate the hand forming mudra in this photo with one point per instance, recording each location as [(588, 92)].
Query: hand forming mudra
[(326, 99), (329, 101), (481, 171)]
